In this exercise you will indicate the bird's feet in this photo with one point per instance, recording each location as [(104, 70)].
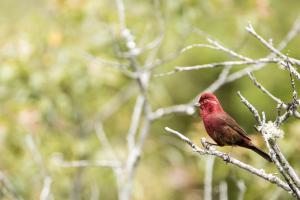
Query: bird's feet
[(212, 144), (226, 158), (207, 145)]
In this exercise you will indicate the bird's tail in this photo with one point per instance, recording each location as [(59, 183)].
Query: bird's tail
[(260, 152)]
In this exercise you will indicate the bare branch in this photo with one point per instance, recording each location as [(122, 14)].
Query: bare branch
[(46, 191), (7, 188), (228, 159), (121, 13), (243, 72), (286, 166), (208, 177), (294, 31), (185, 139), (87, 163), (226, 63), (216, 46), (105, 142), (198, 46), (278, 53), (281, 118), (291, 34), (142, 80), (223, 191), (270, 132), (95, 193), (277, 160), (251, 30), (135, 119), (183, 109), (251, 108), (264, 90), (219, 64), (38, 158), (115, 165), (239, 74), (242, 188), (295, 94), (230, 52)]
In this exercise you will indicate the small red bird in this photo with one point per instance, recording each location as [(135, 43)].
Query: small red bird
[(222, 128)]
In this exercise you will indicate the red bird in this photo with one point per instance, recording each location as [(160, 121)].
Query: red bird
[(222, 128)]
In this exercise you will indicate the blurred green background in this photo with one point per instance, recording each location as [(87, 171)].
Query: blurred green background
[(51, 94)]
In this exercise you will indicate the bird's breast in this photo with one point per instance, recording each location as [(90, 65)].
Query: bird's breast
[(212, 123)]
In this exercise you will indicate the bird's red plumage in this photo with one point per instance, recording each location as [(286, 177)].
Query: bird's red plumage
[(222, 128)]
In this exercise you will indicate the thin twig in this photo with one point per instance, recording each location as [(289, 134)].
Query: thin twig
[(226, 63), (270, 144), (39, 160), (229, 51), (286, 166), (198, 46), (251, 108), (183, 109), (121, 14), (101, 135), (88, 163), (264, 90), (251, 30), (135, 119), (7, 188)]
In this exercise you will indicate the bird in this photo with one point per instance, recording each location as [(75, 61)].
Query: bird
[(222, 128)]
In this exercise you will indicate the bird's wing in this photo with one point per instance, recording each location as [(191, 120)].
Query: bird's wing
[(228, 120)]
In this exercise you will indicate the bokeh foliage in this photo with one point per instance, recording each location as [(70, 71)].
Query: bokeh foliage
[(51, 92)]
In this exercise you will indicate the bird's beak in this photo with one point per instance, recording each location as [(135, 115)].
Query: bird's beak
[(197, 104)]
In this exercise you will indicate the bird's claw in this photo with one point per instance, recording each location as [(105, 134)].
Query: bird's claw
[(207, 145), (226, 158)]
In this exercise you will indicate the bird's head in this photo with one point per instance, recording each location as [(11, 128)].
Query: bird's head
[(209, 103)]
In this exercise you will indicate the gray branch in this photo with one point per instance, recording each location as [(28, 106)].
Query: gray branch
[(251, 108), (223, 190), (87, 163), (208, 150), (270, 133), (264, 90), (226, 63), (208, 179), (251, 30)]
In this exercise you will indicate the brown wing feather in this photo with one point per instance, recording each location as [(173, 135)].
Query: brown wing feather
[(228, 120)]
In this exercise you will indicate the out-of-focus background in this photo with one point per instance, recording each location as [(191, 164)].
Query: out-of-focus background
[(52, 92)]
